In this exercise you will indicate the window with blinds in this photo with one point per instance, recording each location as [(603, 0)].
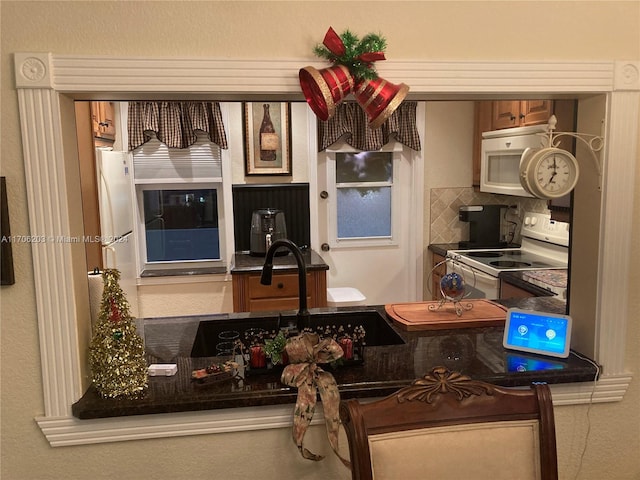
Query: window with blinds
[(179, 198)]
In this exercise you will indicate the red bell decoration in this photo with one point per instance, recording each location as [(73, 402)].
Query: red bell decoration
[(326, 88), (379, 99)]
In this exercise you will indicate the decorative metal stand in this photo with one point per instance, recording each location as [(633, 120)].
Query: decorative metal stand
[(594, 142), (452, 289)]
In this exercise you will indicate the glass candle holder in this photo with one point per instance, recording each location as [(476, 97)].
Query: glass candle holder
[(228, 335), (257, 357), (225, 349), (346, 343)]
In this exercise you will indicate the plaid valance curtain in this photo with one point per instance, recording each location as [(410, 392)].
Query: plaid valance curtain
[(175, 123), (351, 122)]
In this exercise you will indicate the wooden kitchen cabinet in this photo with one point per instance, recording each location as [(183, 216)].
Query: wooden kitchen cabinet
[(436, 275), (103, 120), (520, 113), (249, 295)]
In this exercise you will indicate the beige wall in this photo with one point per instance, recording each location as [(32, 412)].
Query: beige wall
[(414, 30)]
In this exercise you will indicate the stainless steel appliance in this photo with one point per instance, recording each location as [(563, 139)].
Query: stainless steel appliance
[(267, 226), (485, 225), (500, 160), (544, 248)]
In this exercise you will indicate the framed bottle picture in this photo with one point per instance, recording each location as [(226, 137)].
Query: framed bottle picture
[(267, 138)]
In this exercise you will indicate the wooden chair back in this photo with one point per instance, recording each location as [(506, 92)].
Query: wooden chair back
[(446, 425)]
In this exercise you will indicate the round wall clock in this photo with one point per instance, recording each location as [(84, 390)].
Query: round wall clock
[(548, 172)]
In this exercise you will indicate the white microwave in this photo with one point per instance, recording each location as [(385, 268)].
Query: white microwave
[(500, 160)]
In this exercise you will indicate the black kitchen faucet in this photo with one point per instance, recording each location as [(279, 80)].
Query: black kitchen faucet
[(267, 271)]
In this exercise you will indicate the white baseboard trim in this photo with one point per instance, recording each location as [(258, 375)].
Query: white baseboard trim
[(609, 388)]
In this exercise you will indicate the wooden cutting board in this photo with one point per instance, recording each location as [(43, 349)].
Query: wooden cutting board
[(417, 316)]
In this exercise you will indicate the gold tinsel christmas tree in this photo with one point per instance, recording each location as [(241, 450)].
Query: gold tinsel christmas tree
[(116, 353)]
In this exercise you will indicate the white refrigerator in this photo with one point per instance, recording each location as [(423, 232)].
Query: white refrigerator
[(115, 196)]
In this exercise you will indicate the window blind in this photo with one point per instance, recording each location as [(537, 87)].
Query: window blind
[(155, 162)]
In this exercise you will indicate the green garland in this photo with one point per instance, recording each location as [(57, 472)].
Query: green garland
[(354, 49)]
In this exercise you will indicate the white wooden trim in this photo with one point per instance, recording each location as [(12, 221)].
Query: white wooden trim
[(77, 73), (52, 266), (68, 430), (621, 144), (42, 77)]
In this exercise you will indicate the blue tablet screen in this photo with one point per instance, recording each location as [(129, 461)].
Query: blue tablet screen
[(538, 332)]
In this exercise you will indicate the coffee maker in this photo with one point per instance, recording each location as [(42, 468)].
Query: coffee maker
[(485, 222), (267, 226)]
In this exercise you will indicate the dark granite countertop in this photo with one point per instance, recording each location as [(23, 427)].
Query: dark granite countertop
[(517, 279), (243, 262), (477, 352), (443, 248)]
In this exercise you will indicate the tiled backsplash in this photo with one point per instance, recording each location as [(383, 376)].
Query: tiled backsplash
[(445, 226)]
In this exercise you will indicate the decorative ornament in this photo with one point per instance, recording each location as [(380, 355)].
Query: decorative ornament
[(305, 352), (353, 70), (453, 286), (116, 352), (442, 381)]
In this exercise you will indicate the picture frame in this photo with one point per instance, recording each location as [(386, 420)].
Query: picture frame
[(275, 135)]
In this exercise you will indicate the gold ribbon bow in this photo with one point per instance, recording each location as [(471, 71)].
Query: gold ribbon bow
[(305, 352)]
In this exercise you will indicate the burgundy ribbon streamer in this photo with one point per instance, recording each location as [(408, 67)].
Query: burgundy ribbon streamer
[(371, 57), (334, 43)]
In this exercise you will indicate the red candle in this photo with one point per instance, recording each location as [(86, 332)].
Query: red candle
[(257, 358), (347, 347)]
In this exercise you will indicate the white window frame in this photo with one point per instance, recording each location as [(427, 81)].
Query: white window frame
[(398, 155), (147, 266), (353, 242), (45, 96)]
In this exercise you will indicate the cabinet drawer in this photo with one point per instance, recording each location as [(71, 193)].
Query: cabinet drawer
[(284, 285), (275, 304)]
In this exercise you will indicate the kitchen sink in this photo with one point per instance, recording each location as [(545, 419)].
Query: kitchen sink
[(378, 331)]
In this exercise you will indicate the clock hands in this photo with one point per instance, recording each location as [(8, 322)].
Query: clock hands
[(549, 173), (553, 166)]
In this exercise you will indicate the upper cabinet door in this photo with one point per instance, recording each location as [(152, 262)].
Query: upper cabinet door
[(520, 113), (102, 119), (533, 112), (505, 114)]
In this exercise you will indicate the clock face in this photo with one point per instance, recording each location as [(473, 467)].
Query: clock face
[(554, 173), (548, 172)]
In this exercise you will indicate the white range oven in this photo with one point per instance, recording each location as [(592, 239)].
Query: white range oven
[(544, 253)]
